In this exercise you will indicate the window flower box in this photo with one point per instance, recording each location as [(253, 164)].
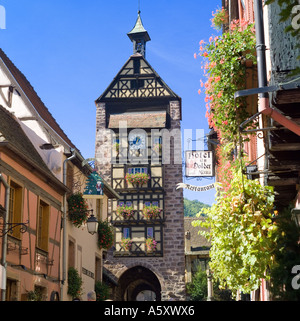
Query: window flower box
[(151, 212), (151, 244), (125, 211), (137, 179), (126, 243)]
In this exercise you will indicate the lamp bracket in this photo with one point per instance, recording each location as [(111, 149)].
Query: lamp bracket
[(9, 227)]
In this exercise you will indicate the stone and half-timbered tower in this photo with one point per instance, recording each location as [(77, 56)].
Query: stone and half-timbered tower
[(138, 150)]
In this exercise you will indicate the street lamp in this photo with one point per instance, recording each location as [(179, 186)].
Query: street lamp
[(92, 224), (296, 216)]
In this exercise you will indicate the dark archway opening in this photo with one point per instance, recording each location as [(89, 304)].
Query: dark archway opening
[(138, 283)]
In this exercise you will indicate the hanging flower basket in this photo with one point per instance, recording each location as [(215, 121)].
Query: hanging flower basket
[(220, 18), (126, 243), (105, 235), (77, 209), (151, 244), (151, 212), (126, 212), (137, 179)]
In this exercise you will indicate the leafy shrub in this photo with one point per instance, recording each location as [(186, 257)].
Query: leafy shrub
[(74, 283), (102, 291)]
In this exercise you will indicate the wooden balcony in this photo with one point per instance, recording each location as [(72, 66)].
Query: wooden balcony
[(137, 249), (155, 171), (154, 183), (138, 218), (284, 150)]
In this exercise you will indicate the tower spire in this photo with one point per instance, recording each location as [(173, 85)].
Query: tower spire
[(139, 36)]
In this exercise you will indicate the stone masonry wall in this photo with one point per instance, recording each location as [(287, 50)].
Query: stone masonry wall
[(169, 269), (283, 50)]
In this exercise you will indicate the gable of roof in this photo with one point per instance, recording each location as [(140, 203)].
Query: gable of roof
[(34, 98), (137, 79)]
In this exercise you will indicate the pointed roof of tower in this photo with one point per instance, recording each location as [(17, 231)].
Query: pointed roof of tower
[(138, 29), (137, 79)]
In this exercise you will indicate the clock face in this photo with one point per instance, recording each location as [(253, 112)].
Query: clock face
[(137, 141)]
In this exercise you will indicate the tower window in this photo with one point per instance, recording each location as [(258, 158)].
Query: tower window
[(135, 170), (136, 84), (150, 232), (126, 232), (136, 66)]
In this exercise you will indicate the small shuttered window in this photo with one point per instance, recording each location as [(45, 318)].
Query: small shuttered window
[(15, 207), (43, 226)]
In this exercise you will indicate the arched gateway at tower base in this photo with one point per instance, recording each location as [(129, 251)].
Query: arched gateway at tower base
[(138, 284)]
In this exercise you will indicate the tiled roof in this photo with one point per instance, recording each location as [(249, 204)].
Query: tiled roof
[(139, 120), (139, 29), (34, 98), (197, 240)]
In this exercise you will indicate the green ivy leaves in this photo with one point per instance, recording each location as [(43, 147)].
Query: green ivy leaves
[(242, 233)]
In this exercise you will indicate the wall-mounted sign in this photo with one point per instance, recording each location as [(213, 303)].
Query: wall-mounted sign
[(94, 186), (198, 188), (199, 163)]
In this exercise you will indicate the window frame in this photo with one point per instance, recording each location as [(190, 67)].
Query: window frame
[(42, 227), (129, 232), (16, 205)]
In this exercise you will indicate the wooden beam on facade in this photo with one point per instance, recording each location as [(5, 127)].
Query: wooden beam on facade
[(283, 181)]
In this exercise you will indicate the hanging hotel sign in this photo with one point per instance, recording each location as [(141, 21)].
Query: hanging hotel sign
[(94, 186), (199, 163), (198, 188)]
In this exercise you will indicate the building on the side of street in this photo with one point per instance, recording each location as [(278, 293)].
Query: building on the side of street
[(196, 249), (283, 148), (30, 194), (274, 150), (138, 148), (74, 247)]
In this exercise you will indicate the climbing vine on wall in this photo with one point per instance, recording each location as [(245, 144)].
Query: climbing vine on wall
[(240, 225), (224, 68)]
